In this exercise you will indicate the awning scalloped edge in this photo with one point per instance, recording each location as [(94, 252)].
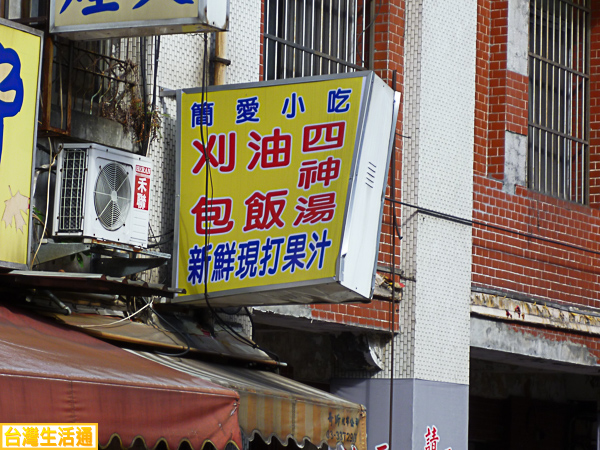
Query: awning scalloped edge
[(300, 443), (159, 441)]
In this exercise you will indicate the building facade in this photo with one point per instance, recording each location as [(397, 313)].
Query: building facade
[(496, 238), (484, 329)]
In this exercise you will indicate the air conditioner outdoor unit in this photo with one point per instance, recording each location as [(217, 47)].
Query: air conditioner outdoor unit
[(102, 193)]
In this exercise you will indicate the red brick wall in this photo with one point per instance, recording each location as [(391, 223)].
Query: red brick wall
[(373, 315), (591, 342), (482, 87), (388, 57), (390, 31), (501, 95), (498, 37), (516, 99), (536, 266), (595, 107)]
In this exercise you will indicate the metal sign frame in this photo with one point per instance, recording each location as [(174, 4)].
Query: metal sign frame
[(11, 265), (355, 273), (210, 18)]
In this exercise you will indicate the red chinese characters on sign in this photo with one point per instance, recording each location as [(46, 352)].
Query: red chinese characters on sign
[(141, 195), (264, 210), (432, 438), (316, 208), (216, 216), (273, 151), (292, 146), (225, 152), (323, 136), (313, 171)]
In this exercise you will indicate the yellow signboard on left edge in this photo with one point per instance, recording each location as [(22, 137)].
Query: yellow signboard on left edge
[(20, 53)]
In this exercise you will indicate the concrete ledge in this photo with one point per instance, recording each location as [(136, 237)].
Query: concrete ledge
[(500, 341)]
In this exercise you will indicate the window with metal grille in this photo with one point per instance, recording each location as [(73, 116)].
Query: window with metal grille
[(29, 12), (316, 37), (558, 98)]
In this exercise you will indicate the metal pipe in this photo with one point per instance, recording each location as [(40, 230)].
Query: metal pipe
[(220, 58), (393, 302), (275, 45), (57, 302)]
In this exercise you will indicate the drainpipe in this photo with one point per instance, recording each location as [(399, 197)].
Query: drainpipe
[(220, 60)]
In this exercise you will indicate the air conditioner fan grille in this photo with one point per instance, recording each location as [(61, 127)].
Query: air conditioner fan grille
[(112, 196)]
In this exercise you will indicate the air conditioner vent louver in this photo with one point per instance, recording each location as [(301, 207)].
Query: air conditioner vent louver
[(112, 196), (102, 193), (72, 191)]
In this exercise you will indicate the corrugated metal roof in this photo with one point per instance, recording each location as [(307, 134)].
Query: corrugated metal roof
[(112, 328)]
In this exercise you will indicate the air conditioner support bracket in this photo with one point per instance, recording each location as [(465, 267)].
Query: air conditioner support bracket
[(122, 267), (120, 260)]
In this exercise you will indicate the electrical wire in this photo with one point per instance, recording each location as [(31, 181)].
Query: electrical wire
[(207, 180), (176, 330), (145, 139), (362, 32), (249, 314), (392, 303), (156, 236), (469, 222), (133, 314), (150, 118), (379, 4), (158, 243), (51, 159), (208, 174), (209, 194)]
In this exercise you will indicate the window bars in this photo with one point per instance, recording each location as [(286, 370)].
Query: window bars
[(559, 98), (316, 37), (93, 78)]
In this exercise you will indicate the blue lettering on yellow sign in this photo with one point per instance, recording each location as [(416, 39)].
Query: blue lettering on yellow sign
[(181, 2), (338, 101), (11, 87), (203, 114), (291, 105), (97, 7), (247, 110), (100, 5), (241, 260)]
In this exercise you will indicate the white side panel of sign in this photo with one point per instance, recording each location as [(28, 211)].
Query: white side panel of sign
[(361, 237)]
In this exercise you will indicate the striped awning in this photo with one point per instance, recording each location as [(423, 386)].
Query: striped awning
[(52, 374), (272, 406)]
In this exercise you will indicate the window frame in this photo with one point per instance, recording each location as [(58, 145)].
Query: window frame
[(294, 42), (559, 99)]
